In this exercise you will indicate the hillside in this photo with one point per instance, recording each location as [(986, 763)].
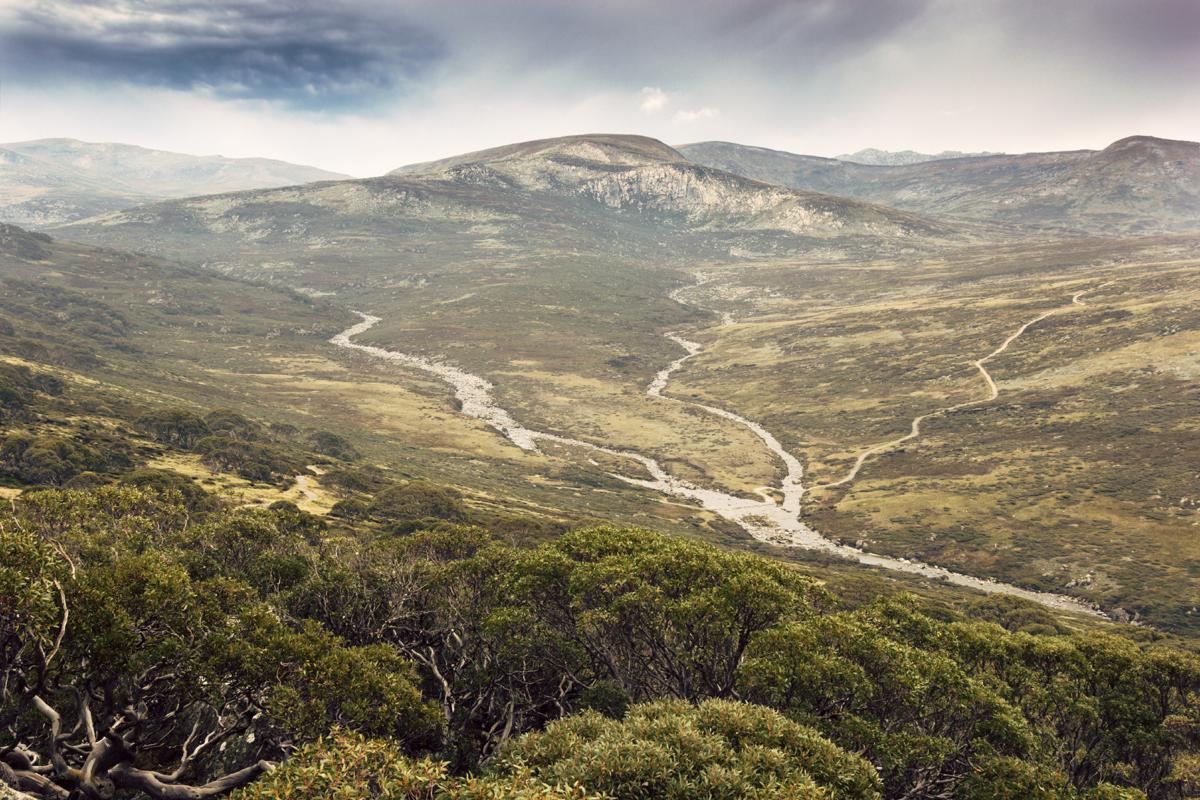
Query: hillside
[(612, 193), (1137, 185), (632, 173), (50, 181)]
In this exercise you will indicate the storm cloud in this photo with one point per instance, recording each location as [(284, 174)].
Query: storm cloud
[(320, 55), (365, 85)]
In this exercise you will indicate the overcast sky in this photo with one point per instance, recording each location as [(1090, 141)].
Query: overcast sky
[(362, 86)]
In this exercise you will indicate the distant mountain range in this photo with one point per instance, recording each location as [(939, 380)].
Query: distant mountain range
[(51, 181), (891, 158), (1138, 185), (707, 199), (620, 195)]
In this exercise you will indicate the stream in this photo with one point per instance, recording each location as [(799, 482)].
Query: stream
[(763, 518)]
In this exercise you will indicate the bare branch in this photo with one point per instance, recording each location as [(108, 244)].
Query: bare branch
[(61, 769), (13, 784), (62, 627), (85, 714), (126, 776)]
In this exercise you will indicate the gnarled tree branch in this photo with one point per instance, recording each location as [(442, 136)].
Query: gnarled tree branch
[(126, 776)]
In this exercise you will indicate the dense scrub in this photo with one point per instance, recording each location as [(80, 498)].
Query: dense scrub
[(152, 646)]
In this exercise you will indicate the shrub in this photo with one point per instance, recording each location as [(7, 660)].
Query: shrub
[(351, 508), (234, 425), (174, 427), (418, 500), (330, 444), (354, 480), (250, 460), (52, 460), (347, 766), (164, 480), (670, 750)]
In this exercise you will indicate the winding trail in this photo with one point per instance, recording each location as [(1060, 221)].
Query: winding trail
[(304, 487), (992, 387), (762, 518)]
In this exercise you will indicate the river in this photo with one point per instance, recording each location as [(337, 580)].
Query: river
[(777, 523)]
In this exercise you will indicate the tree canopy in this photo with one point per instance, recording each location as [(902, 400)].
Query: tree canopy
[(159, 646)]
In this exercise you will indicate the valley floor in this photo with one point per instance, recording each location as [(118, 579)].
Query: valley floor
[(976, 412)]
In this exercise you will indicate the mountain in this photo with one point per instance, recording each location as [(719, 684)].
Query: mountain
[(891, 158), (613, 149), (51, 181), (1137, 185), (601, 193), (636, 173)]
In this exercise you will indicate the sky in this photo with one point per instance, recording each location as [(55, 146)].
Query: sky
[(364, 86)]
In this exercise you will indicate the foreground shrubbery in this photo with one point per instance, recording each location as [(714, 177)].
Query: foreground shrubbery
[(668, 750), (676, 751), (346, 766), (152, 644)]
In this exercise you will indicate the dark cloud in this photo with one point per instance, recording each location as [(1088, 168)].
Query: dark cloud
[(317, 54), (304, 53), (628, 42), (362, 54), (814, 29), (1133, 35)]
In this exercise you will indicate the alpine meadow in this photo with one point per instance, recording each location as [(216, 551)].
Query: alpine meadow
[(492, 460)]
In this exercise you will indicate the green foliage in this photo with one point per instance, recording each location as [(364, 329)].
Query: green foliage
[(671, 750), (606, 661), (233, 425), (164, 481), (418, 500), (47, 459), (73, 311), (915, 713), (316, 681), (253, 461), (174, 427), (31, 609), (1015, 614), (164, 636), (19, 387), (345, 766), (350, 479), (351, 508), (93, 525), (330, 444), (666, 616)]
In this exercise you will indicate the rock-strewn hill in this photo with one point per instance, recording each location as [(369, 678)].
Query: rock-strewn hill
[(636, 173), (1136, 185), (52, 181)]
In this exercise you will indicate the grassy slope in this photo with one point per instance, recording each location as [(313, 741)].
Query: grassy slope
[(1079, 475)]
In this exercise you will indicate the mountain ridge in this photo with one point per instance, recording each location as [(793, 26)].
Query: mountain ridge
[(45, 182), (877, 157), (599, 144), (1139, 184), (583, 189)]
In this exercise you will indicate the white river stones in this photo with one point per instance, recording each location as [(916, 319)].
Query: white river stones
[(777, 523)]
